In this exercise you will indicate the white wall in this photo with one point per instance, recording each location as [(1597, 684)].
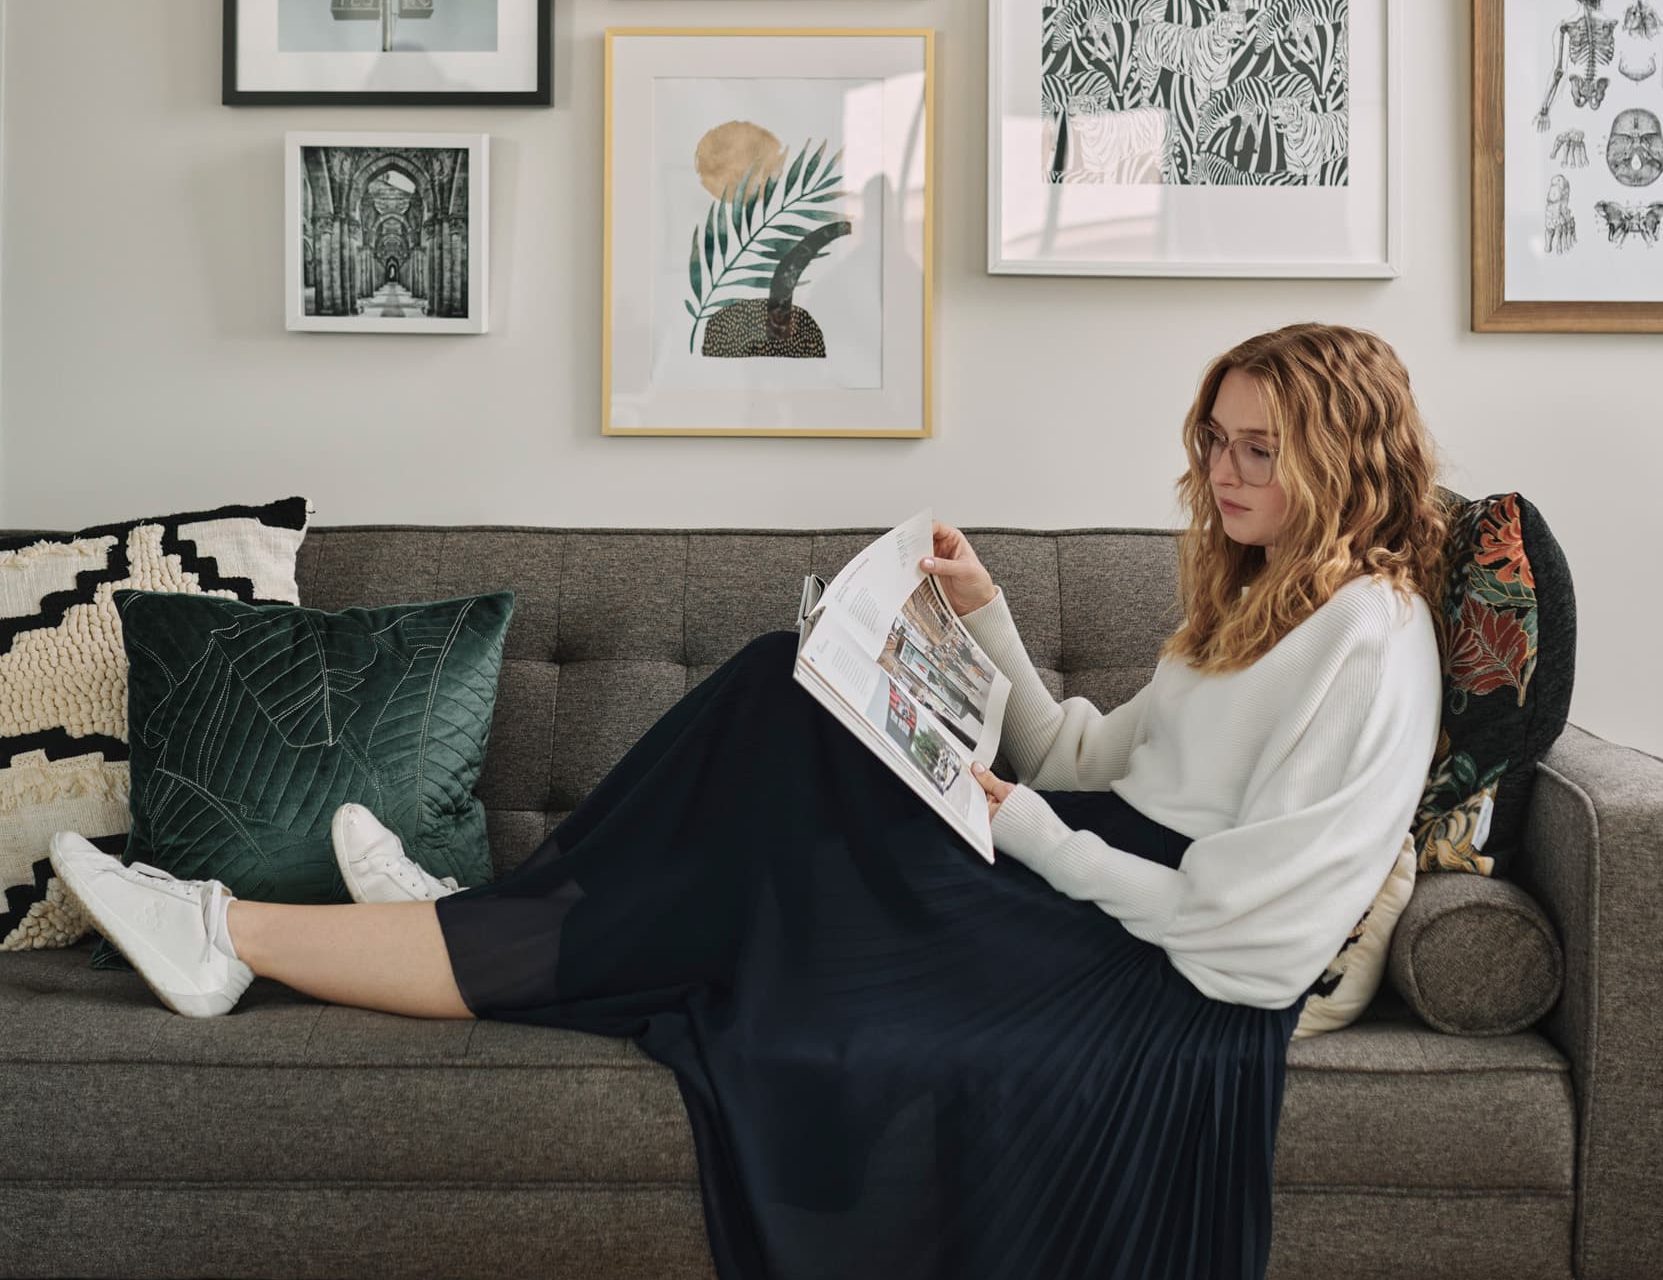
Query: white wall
[(144, 364)]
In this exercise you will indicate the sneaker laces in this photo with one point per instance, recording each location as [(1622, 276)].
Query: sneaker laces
[(401, 868), (166, 881), (210, 916)]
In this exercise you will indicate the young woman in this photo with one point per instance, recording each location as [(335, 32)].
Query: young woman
[(898, 1060)]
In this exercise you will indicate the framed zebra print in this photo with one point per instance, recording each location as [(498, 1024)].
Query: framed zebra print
[(1195, 138), (1567, 157)]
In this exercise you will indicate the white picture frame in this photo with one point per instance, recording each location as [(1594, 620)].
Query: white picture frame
[(1130, 192), (688, 345), (427, 270)]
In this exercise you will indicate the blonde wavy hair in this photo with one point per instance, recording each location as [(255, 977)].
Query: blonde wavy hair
[(1360, 473)]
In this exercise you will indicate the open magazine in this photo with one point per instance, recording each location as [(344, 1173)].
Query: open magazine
[(880, 648)]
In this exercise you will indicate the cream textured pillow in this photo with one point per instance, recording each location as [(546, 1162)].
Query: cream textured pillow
[(1351, 980), (63, 679)]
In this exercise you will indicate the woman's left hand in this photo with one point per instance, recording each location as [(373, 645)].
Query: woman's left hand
[(997, 789)]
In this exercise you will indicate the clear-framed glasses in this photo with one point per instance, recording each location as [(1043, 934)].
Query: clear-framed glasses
[(1255, 463)]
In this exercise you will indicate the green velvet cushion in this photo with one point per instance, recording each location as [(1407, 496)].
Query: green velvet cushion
[(250, 724)]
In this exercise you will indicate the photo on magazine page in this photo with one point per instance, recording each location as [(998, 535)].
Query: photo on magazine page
[(928, 654), (880, 706), (919, 736)]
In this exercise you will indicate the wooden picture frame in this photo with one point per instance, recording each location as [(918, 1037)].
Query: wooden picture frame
[(1549, 223), (838, 126)]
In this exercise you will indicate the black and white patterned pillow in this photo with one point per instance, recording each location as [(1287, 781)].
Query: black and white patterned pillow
[(63, 679)]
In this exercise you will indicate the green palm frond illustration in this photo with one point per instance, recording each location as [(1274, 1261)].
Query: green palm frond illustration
[(747, 232)]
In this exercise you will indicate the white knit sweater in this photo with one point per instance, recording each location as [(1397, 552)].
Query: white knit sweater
[(1296, 777)]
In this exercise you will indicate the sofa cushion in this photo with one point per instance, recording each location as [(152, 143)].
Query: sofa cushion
[(252, 724), (1511, 616), (99, 1081), (96, 1075), (63, 678), (1476, 956)]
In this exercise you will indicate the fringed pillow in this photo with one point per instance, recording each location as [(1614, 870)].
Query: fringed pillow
[(63, 679)]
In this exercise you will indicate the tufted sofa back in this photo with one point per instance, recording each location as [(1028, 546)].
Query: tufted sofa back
[(612, 626)]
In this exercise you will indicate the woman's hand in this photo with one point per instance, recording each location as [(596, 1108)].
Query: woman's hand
[(996, 788), (964, 579)]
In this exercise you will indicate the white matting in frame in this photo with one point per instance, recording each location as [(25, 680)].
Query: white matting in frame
[(419, 264), (1248, 200), (811, 317)]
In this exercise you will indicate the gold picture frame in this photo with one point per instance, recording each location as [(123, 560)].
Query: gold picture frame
[(1554, 211), (893, 248)]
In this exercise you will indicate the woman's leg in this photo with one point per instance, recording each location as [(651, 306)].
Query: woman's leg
[(375, 955)]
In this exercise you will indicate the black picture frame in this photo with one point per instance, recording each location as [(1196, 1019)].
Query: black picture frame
[(232, 96)]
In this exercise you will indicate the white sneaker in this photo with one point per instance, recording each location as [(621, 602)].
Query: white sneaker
[(159, 922), (373, 862)]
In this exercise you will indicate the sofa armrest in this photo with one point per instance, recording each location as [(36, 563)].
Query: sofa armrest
[(1593, 858)]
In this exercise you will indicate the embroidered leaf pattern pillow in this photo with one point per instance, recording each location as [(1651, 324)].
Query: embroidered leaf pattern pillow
[(250, 724)]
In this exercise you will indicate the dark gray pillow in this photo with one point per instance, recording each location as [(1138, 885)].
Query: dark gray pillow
[(1475, 956)]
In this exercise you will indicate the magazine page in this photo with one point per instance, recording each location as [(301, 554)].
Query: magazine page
[(900, 729), (882, 643)]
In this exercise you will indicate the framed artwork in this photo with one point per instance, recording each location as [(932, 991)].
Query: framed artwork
[(768, 211), (1195, 138), (1567, 152), (386, 53), (385, 232)]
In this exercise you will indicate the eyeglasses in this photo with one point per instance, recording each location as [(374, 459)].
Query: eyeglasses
[(1255, 464)]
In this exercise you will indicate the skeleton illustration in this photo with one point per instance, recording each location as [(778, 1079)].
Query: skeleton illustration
[(1640, 19), (1621, 220), (1637, 73), (1635, 149), (1561, 222), (1575, 148), (1592, 45)]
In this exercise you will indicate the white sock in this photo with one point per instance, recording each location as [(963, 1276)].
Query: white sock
[(219, 920)]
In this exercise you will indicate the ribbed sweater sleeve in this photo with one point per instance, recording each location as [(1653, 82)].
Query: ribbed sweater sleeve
[(1058, 746), (1255, 912)]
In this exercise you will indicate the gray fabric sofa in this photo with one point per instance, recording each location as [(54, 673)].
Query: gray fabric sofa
[(295, 1138)]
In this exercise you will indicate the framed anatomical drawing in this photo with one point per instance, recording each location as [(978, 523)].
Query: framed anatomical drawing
[(1194, 137), (1566, 165), (767, 232)]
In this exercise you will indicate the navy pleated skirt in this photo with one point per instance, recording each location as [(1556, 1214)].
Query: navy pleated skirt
[(897, 1060)]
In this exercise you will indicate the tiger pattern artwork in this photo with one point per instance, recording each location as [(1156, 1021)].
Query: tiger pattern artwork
[(1246, 95), (1201, 54), (1312, 137)]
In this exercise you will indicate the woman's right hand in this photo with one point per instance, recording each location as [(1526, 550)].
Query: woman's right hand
[(964, 579)]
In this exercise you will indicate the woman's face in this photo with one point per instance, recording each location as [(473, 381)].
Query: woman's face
[(1252, 514)]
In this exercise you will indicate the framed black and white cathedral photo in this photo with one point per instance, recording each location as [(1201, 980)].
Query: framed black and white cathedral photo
[(386, 232), (1195, 138)]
